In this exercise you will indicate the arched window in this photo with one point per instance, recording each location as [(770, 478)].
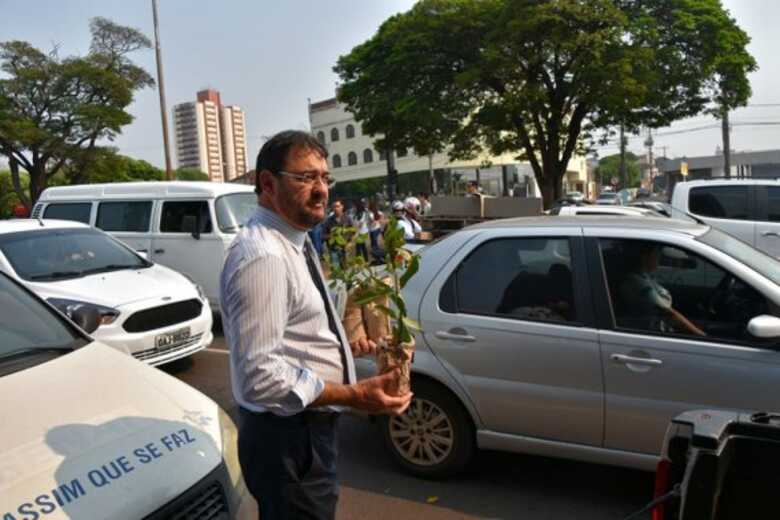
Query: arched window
[(321, 137), (334, 134), (350, 131), (352, 159), (368, 155), (401, 153), (382, 155), (337, 161)]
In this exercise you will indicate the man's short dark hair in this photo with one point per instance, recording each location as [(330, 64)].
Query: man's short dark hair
[(273, 154)]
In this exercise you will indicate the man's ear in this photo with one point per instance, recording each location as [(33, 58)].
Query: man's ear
[(267, 182)]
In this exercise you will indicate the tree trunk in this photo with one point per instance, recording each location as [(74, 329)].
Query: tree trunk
[(550, 185), (14, 166)]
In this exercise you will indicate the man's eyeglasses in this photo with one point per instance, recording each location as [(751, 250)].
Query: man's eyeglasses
[(309, 178)]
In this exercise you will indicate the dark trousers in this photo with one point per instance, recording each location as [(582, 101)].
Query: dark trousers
[(289, 464)]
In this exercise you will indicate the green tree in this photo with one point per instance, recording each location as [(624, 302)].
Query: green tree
[(54, 111), (542, 78), (190, 174), (8, 197), (609, 167), (106, 165)]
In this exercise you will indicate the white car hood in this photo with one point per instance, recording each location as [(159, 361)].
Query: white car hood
[(117, 288), (97, 434)]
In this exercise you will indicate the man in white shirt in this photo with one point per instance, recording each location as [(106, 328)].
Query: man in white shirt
[(291, 367)]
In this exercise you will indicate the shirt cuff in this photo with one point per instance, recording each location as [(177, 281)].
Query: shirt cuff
[(307, 388)]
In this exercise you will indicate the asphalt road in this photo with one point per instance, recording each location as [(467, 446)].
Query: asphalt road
[(496, 485)]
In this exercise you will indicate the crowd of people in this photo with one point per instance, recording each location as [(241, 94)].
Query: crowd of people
[(369, 219)]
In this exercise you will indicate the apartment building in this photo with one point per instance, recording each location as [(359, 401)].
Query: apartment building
[(210, 137)]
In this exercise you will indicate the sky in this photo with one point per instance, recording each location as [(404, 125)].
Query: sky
[(271, 57)]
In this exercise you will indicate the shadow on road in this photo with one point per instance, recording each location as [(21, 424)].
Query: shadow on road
[(497, 485)]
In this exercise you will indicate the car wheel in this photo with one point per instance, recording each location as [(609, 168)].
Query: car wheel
[(434, 438)]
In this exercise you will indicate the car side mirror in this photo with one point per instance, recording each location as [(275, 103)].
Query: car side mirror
[(189, 224), (86, 317), (143, 254), (764, 326)]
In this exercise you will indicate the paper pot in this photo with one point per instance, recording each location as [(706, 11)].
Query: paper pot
[(353, 320), (377, 322), (389, 356)]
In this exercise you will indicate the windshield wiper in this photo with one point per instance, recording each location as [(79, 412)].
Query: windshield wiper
[(56, 274), (113, 267)]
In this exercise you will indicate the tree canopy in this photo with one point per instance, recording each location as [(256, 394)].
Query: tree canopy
[(54, 111), (191, 174), (609, 167), (541, 78)]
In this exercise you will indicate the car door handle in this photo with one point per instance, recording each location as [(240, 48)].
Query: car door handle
[(770, 234), (159, 251), (631, 360), (141, 250), (455, 335)]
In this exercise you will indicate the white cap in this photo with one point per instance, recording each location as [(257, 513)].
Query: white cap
[(397, 205), (412, 204)]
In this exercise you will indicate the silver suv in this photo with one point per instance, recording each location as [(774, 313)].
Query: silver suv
[(748, 209), (581, 338)]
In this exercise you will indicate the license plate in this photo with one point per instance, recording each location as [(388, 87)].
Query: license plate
[(172, 338)]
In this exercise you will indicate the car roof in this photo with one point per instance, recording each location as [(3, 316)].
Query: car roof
[(604, 208), (585, 221), (31, 224), (125, 190), (726, 182)]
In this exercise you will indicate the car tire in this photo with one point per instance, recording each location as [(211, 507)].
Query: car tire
[(434, 438)]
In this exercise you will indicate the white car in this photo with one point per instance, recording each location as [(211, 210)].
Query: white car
[(596, 210), (145, 309), (91, 433)]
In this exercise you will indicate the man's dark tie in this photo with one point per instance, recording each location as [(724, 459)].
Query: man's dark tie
[(308, 252)]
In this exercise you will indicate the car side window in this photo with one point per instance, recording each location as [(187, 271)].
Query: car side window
[(129, 216), (662, 289), (521, 278), (730, 202), (773, 204), (77, 211), (174, 213)]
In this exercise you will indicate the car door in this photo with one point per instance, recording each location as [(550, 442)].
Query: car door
[(507, 315), (730, 208), (129, 221), (767, 231), (198, 255), (653, 367)]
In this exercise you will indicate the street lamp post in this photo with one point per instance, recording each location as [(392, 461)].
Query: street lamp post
[(161, 88)]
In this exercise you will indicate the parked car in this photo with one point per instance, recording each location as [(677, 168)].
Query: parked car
[(626, 211), (186, 226), (92, 433), (663, 208), (608, 198), (534, 340), (746, 209), (575, 196), (147, 310)]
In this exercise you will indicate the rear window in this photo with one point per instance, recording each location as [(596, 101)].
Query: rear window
[(730, 202), (77, 211), (124, 216)]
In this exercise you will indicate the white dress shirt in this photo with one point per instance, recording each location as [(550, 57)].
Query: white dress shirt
[(282, 350)]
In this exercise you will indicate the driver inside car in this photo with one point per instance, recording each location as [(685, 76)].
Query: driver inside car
[(648, 299)]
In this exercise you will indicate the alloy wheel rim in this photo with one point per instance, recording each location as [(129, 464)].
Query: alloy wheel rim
[(424, 434)]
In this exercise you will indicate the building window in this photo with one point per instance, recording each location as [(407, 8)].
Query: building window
[(334, 134), (337, 161), (321, 137), (350, 131), (352, 159), (368, 155), (382, 155)]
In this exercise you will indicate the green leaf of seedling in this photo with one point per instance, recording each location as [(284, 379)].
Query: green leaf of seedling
[(411, 324), (399, 302), (411, 270)]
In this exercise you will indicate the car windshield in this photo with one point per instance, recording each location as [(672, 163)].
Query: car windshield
[(30, 331), (753, 258), (607, 196), (54, 254), (234, 210)]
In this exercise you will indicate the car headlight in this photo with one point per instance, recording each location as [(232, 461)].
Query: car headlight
[(229, 434), (108, 315), (198, 287)]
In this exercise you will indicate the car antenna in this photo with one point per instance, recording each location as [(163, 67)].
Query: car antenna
[(40, 221)]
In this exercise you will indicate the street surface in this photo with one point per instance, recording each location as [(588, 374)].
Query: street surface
[(497, 485)]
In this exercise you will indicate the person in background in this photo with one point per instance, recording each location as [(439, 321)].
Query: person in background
[(408, 214), (337, 219), (425, 204), (315, 235), (472, 189), (375, 224), (361, 222)]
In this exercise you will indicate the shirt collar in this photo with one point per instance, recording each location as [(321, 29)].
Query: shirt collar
[(271, 219)]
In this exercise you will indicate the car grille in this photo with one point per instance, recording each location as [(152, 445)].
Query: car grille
[(152, 353), (210, 505), (163, 316)]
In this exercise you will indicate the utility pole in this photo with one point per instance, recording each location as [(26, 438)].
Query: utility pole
[(392, 174), (623, 181), (161, 88), (726, 143), (650, 159)]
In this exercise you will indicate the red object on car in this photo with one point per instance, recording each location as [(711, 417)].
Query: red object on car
[(661, 487)]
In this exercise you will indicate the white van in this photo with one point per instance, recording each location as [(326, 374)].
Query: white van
[(186, 226), (92, 433), (748, 209)]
